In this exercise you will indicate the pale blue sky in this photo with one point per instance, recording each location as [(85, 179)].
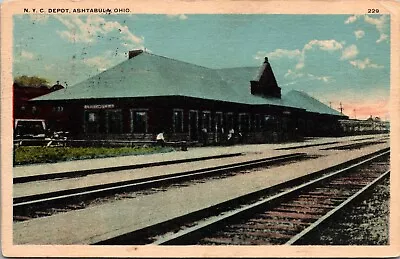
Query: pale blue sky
[(335, 58)]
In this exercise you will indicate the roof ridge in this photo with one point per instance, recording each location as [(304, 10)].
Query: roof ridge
[(98, 74), (193, 64), (304, 94), (236, 67), (315, 99), (168, 58)]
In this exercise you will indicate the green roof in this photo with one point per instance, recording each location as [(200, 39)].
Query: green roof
[(143, 76), (149, 75), (302, 100), (238, 80)]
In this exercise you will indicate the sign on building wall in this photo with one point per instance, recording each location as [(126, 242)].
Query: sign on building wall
[(98, 106)]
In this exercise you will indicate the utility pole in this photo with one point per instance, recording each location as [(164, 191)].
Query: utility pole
[(341, 108), (355, 114)]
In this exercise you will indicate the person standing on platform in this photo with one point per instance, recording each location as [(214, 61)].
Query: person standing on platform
[(231, 133), (160, 139), (204, 136)]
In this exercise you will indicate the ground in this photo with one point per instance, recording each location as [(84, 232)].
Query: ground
[(365, 223)]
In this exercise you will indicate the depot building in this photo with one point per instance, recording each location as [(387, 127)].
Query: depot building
[(148, 94)]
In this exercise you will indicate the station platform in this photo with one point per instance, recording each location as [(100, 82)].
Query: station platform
[(192, 153), (99, 179), (104, 221)]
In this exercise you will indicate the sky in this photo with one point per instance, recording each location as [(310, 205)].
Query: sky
[(334, 58)]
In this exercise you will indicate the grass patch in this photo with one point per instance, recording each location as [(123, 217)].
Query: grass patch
[(38, 154)]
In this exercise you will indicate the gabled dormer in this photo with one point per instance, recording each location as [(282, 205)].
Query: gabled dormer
[(265, 84)]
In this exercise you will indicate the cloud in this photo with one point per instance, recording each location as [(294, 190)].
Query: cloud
[(327, 45), (290, 83), (99, 62), (359, 34), (87, 31), (363, 64), (103, 61), (39, 18), (49, 67), (349, 52), (324, 45), (279, 53), (27, 55), (290, 74), (351, 19), (382, 37), (331, 45), (325, 79), (380, 23), (293, 74), (300, 65), (179, 16)]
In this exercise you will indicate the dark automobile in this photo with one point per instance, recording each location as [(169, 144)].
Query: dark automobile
[(29, 129)]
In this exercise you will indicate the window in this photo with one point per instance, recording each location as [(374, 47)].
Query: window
[(244, 122), (35, 110), (257, 122), (206, 121), (229, 121), (92, 122), (177, 121), (58, 109), (139, 121), (285, 124), (218, 122), (269, 122), (114, 121), (21, 110), (92, 117), (25, 128), (193, 124)]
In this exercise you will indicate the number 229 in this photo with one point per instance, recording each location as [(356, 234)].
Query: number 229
[(373, 10)]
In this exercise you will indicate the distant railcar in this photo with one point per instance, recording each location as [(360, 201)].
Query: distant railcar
[(369, 126)]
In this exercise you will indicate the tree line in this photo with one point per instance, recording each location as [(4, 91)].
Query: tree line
[(31, 81)]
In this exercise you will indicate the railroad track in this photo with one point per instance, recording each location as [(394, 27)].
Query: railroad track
[(285, 217), (308, 145), (46, 204), (85, 172), (354, 145), (339, 147)]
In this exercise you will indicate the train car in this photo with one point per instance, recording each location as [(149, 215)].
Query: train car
[(368, 126)]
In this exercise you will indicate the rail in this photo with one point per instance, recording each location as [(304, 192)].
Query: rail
[(274, 212), (60, 198), (175, 231)]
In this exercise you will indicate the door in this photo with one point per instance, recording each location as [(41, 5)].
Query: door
[(193, 125), (218, 126)]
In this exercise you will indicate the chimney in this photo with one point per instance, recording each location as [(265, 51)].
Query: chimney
[(134, 53)]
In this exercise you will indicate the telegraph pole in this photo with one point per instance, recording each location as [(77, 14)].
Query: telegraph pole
[(355, 114), (341, 108)]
